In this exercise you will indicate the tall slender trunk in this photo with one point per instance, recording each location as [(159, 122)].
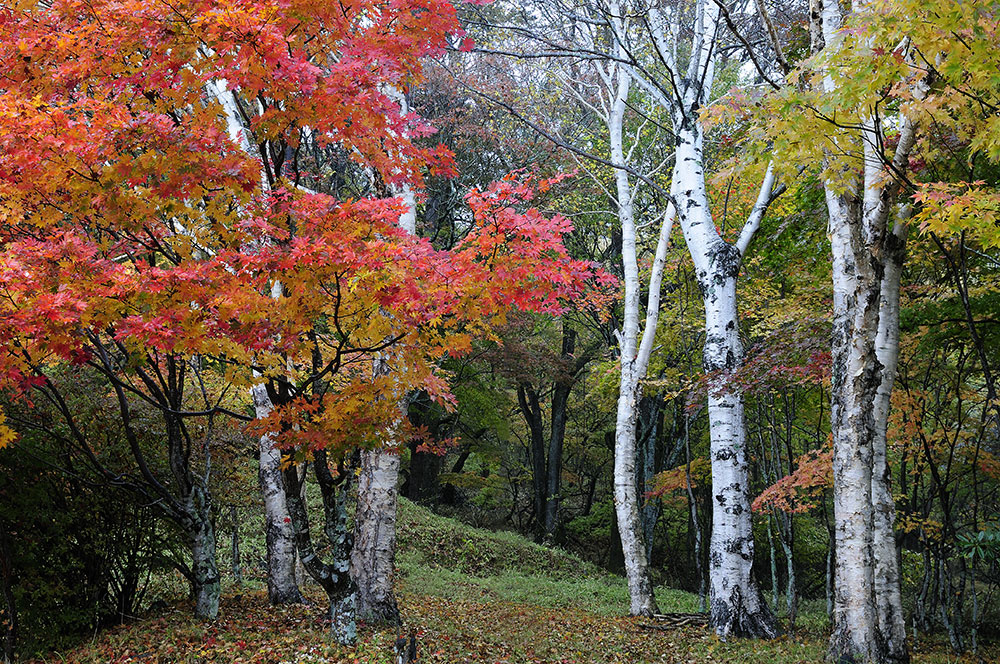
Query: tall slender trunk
[(560, 401), (424, 468), (279, 537), (374, 552), (736, 604), (650, 409), (791, 597), (867, 256), (282, 587), (773, 558), (888, 595), (626, 499), (920, 608), (695, 523), (531, 409), (634, 360), (201, 536), (856, 378)]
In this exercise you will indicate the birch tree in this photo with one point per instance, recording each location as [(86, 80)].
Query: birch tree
[(736, 605), (374, 552), (636, 51), (867, 247), (279, 536), (635, 351)]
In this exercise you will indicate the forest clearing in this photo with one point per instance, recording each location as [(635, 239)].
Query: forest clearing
[(500, 331)]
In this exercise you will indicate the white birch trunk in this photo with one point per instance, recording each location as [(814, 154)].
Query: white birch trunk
[(856, 376), (855, 371), (867, 261), (736, 604), (634, 362), (279, 535), (374, 552), (888, 596)]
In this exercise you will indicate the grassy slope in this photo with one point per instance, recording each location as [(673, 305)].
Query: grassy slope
[(474, 596)]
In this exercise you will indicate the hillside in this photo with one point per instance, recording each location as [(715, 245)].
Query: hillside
[(472, 596)]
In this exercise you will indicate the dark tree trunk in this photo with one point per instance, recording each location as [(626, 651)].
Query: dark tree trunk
[(449, 494), (334, 578), (422, 478), (527, 399), (201, 536), (197, 519), (648, 434), (8, 615), (422, 474), (560, 400)]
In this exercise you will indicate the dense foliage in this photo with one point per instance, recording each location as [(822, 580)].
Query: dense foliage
[(200, 198)]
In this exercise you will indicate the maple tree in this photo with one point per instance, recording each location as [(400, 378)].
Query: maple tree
[(141, 240)]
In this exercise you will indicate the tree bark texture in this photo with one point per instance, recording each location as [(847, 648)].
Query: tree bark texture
[(557, 433), (634, 360), (334, 577), (531, 410), (867, 261), (201, 536), (888, 593), (374, 552), (279, 535)]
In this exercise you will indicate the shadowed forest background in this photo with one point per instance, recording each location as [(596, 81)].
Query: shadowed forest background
[(548, 332)]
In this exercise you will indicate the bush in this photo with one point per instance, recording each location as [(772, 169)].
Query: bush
[(82, 552)]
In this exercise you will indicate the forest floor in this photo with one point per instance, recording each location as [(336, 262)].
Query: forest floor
[(472, 596)]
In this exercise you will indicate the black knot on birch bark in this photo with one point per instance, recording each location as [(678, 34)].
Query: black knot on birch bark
[(725, 258), (724, 454), (738, 546)]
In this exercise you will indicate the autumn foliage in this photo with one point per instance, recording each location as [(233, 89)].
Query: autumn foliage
[(154, 203)]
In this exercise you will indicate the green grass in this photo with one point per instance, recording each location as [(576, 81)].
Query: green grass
[(601, 595), (447, 543)]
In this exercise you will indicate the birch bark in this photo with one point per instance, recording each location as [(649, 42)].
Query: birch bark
[(279, 535), (888, 596), (736, 605), (634, 361), (282, 587), (867, 262), (374, 553)]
